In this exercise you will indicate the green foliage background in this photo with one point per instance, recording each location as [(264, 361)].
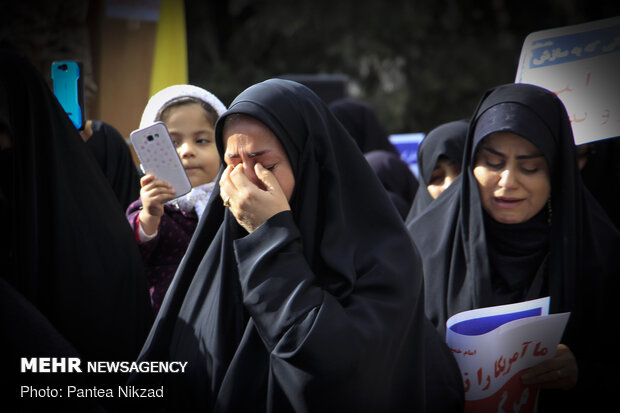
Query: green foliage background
[(419, 63)]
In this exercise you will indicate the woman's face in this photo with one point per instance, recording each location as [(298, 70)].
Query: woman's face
[(247, 141), (445, 172), (513, 177)]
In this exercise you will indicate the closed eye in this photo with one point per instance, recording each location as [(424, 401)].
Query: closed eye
[(495, 165), (530, 169)]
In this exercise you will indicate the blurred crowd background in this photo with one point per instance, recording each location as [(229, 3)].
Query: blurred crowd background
[(419, 63)]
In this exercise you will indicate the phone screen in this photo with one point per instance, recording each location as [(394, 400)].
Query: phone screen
[(68, 88)]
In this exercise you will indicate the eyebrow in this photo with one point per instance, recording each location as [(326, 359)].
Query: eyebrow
[(251, 155), (494, 152), (198, 132)]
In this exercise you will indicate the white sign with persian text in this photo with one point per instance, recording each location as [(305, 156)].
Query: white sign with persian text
[(581, 65)]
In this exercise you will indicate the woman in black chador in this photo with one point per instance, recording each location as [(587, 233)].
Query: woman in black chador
[(439, 162), (519, 224), (72, 276), (307, 299)]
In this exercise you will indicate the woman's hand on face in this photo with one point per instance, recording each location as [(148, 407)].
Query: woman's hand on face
[(251, 205), (559, 372)]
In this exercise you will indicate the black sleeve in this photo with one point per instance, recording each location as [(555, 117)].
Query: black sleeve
[(332, 344)]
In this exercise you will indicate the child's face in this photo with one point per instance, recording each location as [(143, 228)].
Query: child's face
[(193, 136)]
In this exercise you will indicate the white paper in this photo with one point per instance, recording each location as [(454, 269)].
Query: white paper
[(519, 336), (581, 65)]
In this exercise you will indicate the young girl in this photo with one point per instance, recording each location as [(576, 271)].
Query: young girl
[(161, 226)]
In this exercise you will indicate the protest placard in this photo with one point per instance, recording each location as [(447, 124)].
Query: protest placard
[(580, 64), (494, 346)]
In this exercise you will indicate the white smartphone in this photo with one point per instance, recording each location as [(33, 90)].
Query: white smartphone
[(158, 156)]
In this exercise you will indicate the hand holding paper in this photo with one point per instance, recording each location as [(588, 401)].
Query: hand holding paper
[(495, 346), (559, 372)]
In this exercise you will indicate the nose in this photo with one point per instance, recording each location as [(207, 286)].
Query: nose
[(248, 171), (508, 178), (185, 150)]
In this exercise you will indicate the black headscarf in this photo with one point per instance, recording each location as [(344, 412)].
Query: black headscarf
[(396, 177), (446, 140), (362, 123), (67, 248), (319, 309), (581, 267), (114, 157)]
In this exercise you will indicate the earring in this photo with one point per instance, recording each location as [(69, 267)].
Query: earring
[(549, 211)]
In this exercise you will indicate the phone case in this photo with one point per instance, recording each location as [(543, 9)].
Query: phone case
[(68, 87), (159, 157)]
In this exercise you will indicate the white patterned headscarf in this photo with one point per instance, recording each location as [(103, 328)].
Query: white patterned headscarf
[(160, 100), (197, 198)]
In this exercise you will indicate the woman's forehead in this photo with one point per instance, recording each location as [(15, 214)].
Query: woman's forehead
[(509, 141), (250, 136)]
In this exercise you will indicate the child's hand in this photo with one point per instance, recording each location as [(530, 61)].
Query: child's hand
[(154, 194)]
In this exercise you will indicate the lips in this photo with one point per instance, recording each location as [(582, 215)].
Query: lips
[(507, 202)]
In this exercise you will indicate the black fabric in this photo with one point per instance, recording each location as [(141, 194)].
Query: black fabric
[(363, 124), (24, 329), (601, 175), (582, 264), (114, 157), (396, 177), (320, 308), (67, 248), (446, 140), (516, 252)]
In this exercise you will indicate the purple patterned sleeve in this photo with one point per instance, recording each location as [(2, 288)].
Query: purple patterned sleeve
[(146, 248)]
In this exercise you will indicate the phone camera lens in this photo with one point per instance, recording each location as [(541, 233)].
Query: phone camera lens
[(149, 138)]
